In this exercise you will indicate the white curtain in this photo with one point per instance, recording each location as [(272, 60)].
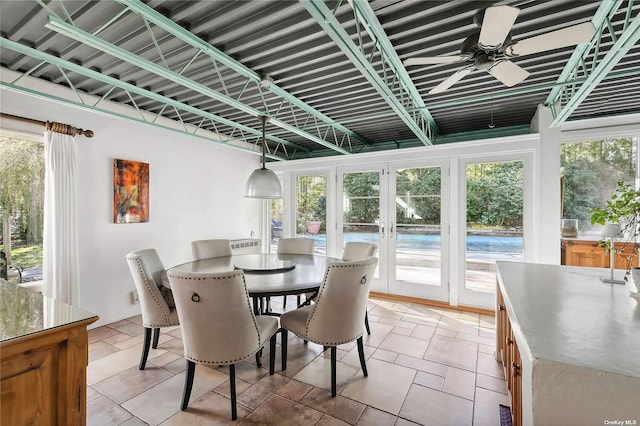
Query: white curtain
[(60, 263)]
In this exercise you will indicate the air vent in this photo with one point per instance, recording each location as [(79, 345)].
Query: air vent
[(245, 246)]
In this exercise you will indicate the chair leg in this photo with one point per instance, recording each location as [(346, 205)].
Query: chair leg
[(333, 370), (361, 355), (232, 387), (284, 336), (156, 337), (188, 384), (258, 356), (366, 322), (272, 354), (284, 302), (145, 348)]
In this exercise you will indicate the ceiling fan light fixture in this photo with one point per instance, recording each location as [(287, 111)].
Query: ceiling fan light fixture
[(263, 183)]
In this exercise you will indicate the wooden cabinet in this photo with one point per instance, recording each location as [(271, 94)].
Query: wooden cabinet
[(509, 355), (579, 252), (42, 373)]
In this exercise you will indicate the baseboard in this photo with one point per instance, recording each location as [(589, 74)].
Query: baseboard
[(428, 302)]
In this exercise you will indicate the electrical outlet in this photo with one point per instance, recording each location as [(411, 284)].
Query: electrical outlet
[(134, 297)]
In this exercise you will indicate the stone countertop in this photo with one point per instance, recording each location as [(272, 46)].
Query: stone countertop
[(567, 315), (24, 312)]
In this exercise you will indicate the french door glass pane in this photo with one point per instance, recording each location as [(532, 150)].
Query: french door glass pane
[(361, 211), (417, 205), (494, 220), (311, 210)]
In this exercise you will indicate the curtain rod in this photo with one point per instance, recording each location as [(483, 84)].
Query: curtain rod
[(52, 126)]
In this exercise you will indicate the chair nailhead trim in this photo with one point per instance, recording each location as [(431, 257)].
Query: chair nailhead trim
[(146, 281)]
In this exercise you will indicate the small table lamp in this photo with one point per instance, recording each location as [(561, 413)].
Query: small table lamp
[(611, 231)]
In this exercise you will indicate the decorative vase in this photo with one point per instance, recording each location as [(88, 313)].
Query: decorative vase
[(313, 226), (635, 277)]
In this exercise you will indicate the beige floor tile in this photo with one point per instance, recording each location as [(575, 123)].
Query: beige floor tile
[(299, 355), (488, 365), (405, 345), (137, 319), (352, 357), (100, 333), (318, 373), (475, 338), (429, 380), (164, 359), (385, 355), (256, 394), (131, 329), (133, 421), (212, 409), (383, 312), (402, 331), (487, 349), (327, 420), (378, 333), (458, 326), (131, 341), (385, 387), (281, 411), (488, 332), (373, 416), (486, 410), (445, 332), (460, 383), (430, 321), (131, 382), (100, 349), (117, 324), (294, 390), (341, 408), (453, 352), (488, 321), (163, 400), (224, 389), (116, 338), (92, 393), (423, 310), (422, 365), (405, 422), (177, 366), (430, 407), (397, 323), (491, 383), (102, 411), (115, 363), (424, 332)]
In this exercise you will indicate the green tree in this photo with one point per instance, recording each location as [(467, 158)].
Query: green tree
[(21, 191)]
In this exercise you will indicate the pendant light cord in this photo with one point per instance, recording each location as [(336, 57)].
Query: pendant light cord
[(264, 140)]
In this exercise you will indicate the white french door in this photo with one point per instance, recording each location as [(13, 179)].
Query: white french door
[(402, 208)]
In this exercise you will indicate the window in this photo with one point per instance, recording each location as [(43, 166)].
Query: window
[(590, 171), (22, 204)]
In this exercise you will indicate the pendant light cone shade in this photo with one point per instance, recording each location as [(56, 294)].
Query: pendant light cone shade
[(263, 183)]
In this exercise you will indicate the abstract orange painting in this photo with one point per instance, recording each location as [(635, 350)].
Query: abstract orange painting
[(130, 191)]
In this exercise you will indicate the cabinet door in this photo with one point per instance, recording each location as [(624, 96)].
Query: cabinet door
[(586, 253)]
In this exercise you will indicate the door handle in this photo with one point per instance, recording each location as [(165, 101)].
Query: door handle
[(381, 229), (390, 229)]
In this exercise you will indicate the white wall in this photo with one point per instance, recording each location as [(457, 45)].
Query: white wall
[(196, 191)]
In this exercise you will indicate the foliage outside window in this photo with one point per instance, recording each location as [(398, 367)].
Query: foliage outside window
[(22, 200), (418, 196), (311, 204), (494, 195), (591, 171)]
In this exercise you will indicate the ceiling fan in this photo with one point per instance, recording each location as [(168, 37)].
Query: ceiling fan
[(491, 47)]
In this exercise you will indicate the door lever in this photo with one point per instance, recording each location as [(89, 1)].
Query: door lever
[(390, 229), (381, 229)]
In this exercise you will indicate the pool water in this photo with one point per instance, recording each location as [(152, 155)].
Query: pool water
[(477, 245)]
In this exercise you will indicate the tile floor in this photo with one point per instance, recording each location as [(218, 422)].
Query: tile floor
[(427, 365)]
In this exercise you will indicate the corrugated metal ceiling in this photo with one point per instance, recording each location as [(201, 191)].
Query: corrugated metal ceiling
[(321, 104)]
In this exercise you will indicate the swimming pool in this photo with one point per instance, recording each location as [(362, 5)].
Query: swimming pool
[(478, 246)]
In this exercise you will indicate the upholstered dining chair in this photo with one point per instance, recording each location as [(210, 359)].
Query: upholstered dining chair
[(156, 302), (208, 249), (356, 250), (336, 316), (218, 324), (295, 246)]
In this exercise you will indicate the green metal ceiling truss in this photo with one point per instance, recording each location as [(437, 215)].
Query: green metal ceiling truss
[(585, 67), (392, 81), (301, 119), (240, 132)]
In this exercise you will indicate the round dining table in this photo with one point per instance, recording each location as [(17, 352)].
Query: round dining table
[(267, 275)]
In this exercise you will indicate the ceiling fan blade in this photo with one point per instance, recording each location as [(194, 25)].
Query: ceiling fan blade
[(453, 79), (508, 73), (564, 37), (434, 60), (496, 24)]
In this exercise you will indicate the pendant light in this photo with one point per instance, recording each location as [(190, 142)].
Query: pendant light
[(263, 183)]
